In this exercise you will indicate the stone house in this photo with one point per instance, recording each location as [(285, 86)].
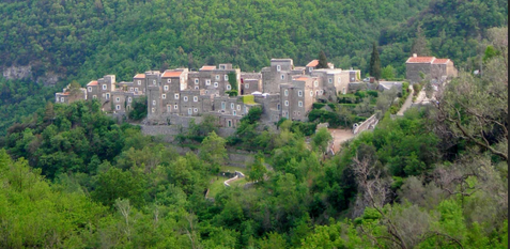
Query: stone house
[(66, 97), (191, 102), (139, 85), (432, 68), (230, 110), (250, 83), (297, 98), (280, 72), (118, 101), (271, 106), (215, 81)]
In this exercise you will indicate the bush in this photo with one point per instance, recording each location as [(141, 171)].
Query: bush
[(348, 99), (372, 93), (306, 128), (318, 105), (139, 110)]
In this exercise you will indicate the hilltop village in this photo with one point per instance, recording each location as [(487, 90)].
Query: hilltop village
[(282, 90)]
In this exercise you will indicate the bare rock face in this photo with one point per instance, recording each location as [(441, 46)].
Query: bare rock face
[(25, 72), (17, 72), (49, 79)]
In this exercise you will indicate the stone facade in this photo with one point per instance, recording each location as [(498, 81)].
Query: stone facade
[(431, 68), (281, 90)]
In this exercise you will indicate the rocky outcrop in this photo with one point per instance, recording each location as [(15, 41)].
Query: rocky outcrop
[(25, 72)]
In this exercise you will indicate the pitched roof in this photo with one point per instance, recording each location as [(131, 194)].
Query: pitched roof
[(139, 76), (172, 74), (313, 63), (208, 68), (92, 83), (440, 61), (420, 59)]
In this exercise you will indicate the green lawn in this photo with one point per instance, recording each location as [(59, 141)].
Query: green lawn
[(217, 186)]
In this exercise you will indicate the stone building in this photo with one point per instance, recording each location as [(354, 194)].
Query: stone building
[(430, 68), (214, 80), (280, 72), (68, 96), (298, 97)]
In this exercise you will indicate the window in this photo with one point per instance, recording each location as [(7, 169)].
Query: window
[(153, 110), (105, 87), (278, 107), (139, 82), (163, 96), (196, 81), (90, 89), (130, 99), (131, 89), (247, 86), (282, 76), (168, 108), (234, 112), (206, 92), (216, 84), (195, 99), (232, 106), (185, 98), (229, 87), (330, 81), (223, 105), (117, 107), (321, 92), (230, 123), (286, 92), (316, 83), (169, 80), (300, 103), (136, 89), (117, 99), (286, 103), (316, 93), (154, 102), (197, 88), (311, 93), (195, 110), (238, 107), (176, 96), (176, 107), (344, 91), (310, 69), (190, 111), (94, 96), (278, 68), (226, 77), (217, 77), (339, 80), (352, 79), (154, 82), (166, 87), (62, 99), (299, 113), (300, 93), (207, 82), (107, 96)]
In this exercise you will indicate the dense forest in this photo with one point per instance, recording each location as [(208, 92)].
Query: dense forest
[(84, 40), (436, 178)]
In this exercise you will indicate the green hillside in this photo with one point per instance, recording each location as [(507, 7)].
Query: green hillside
[(87, 39)]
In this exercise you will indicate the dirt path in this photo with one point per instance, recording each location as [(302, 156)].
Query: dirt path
[(340, 136), (407, 103)]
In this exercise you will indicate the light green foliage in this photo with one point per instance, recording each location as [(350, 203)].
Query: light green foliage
[(321, 140), (257, 170), (388, 72), (213, 151)]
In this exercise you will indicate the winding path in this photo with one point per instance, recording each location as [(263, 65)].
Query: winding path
[(408, 103)]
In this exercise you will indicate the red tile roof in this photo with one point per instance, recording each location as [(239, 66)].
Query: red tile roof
[(302, 78), (420, 59), (313, 63), (172, 74), (92, 83), (440, 61), (140, 76), (208, 68)]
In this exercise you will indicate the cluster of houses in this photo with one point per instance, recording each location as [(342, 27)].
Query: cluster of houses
[(282, 90)]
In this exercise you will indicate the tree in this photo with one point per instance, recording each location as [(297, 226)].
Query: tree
[(420, 44), (375, 63), (388, 72), (139, 110), (213, 151), (257, 169), (323, 61), (321, 140)]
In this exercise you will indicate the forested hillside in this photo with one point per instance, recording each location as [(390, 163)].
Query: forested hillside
[(87, 39), (436, 178)]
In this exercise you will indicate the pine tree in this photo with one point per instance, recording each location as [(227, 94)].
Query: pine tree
[(323, 61), (375, 63)]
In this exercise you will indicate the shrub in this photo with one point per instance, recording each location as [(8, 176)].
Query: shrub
[(318, 105)]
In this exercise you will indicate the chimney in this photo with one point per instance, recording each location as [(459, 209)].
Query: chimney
[(415, 55)]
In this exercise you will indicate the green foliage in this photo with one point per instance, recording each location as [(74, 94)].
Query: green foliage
[(375, 63), (139, 110), (323, 61), (388, 72)]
